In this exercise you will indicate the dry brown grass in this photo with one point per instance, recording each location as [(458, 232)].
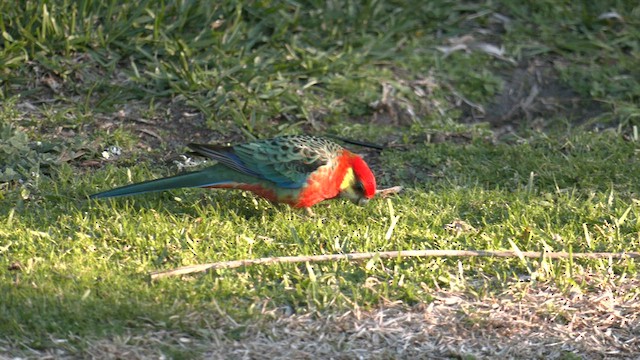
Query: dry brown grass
[(525, 321)]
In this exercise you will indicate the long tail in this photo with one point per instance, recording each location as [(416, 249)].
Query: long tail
[(202, 178)]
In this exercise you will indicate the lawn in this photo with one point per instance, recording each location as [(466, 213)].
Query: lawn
[(511, 126)]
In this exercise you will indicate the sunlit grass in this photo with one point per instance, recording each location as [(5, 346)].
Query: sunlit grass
[(79, 77)]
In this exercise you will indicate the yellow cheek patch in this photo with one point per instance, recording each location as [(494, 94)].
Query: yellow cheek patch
[(348, 180)]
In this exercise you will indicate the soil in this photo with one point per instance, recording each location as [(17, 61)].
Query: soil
[(532, 93)]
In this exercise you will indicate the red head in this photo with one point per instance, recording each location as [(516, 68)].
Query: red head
[(358, 184)]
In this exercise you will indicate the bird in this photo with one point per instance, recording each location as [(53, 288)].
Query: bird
[(298, 170)]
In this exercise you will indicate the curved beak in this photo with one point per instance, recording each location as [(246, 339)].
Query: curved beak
[(363, 201)]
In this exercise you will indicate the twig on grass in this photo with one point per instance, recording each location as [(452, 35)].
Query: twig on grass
[(388, 255), (389, 191)]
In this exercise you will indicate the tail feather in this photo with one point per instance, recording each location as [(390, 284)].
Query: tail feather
[(201, 178)]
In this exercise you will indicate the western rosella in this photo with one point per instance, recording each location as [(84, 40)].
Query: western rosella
[(298, 170)]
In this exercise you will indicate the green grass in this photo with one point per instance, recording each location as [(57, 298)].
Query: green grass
[(71, 268)]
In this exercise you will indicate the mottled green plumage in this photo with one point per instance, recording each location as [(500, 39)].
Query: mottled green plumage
[(287, 161)]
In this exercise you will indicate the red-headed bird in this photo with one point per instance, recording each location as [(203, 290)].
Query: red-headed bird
[(298, 170)]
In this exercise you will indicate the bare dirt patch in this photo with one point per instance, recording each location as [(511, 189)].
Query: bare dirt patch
[(533, 93)]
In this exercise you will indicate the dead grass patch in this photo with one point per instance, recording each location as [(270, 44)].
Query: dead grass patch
[(526, 320)]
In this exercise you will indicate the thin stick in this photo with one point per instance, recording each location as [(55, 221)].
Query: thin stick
[(388, 191), (388, 255)]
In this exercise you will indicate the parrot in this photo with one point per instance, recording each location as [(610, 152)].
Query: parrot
[(298, 170)]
